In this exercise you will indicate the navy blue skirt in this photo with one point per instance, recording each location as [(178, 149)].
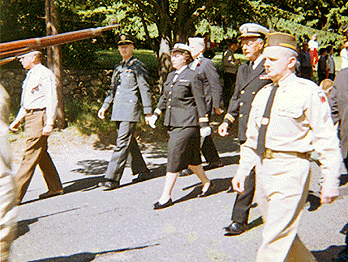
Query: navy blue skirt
[(183, 148)]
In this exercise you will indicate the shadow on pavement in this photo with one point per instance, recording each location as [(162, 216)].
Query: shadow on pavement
[(343, 179), (98, 167), (221, 184), (87, 256), (328, 254), (314, 201), (255, 223), (23, 225), (334, 253), (91, 167)]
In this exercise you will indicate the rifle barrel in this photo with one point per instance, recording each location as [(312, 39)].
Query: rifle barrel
[(26, 45)]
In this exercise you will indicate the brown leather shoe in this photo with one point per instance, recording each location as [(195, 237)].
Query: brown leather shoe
[(51, 194)]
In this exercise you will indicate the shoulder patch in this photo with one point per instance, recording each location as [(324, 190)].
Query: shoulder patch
[(322, 97)]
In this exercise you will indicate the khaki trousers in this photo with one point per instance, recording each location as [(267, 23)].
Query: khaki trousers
[(35, 154), (282, 185)]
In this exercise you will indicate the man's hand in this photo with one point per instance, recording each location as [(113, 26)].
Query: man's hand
[(14, 127), (147, 118), (328, 195), (223, 129), (47, 130), (218, 110), (101, 113), (238, 183), (152, 121)]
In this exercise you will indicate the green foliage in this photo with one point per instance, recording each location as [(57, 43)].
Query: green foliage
[(21, 19)]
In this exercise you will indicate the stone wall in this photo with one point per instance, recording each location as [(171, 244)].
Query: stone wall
[(74, 81)]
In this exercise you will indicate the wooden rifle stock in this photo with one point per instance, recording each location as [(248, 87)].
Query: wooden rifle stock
[(10, 50)]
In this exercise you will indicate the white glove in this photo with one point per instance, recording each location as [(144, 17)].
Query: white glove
[(152, 121), (205, 131)]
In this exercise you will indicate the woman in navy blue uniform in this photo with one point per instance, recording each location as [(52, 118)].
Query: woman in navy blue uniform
[(186, 118)]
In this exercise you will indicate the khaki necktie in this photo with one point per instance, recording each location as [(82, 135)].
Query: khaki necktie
[(261, 140)]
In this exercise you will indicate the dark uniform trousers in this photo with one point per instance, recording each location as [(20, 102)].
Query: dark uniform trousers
[(212, 92), (125, 144), (248, 83), (339, 110), (209, 150), (241, 208), (228, 89), (36, 154)]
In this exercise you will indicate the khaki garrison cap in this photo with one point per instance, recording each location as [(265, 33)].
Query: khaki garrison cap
[(281, 39), (253, 30)]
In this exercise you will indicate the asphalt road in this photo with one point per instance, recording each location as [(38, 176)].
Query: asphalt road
[(88, 224)]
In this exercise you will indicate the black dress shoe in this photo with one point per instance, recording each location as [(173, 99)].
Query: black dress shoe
[(235, 229), (208, 191), (142, 177), (109, 185), (214, 164), (186, 172), (158, 205)]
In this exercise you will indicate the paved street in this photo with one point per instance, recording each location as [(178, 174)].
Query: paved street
[(87, 224)]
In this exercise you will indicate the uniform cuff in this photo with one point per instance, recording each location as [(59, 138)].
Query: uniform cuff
[(229, 119), (203, 121), (158, 112)]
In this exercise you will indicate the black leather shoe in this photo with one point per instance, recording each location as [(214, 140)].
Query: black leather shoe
[(235, 229), (158, 205), (209, 190), (214, 164), (142, 177), (109, 185), (186, 172)]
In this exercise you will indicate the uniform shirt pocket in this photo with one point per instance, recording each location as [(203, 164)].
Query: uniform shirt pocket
[(182, 89), (291, 112)]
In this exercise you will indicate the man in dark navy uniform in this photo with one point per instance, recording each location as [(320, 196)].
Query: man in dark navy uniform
[(129, 85), (249, 82)]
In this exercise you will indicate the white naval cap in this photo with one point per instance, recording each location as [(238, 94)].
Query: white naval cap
[(196, 41), (253, 30), (181, 47)]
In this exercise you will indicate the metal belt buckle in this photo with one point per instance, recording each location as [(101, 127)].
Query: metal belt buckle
[(268, 154)]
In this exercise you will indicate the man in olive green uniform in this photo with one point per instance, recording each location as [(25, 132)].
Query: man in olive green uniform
[(129, 87)]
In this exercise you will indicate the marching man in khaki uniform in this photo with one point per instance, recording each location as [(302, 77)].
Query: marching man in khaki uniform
[(38, 109), (289, 118)]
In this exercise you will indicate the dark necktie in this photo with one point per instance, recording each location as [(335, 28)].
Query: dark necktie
[(250, 68), (261, 140)]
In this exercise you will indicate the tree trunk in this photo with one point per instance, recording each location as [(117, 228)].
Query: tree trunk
[(54, 59), (165, 65)]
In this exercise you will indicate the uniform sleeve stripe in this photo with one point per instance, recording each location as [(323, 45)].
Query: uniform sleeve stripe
[(229, 117), (203, 119), (158, 111)]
